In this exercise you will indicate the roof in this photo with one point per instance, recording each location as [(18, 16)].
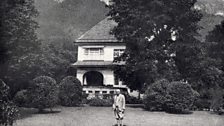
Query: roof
[(96, 63), (101, 32)]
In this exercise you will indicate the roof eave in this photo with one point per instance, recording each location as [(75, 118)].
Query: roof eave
[(80, 43), (96, 40)]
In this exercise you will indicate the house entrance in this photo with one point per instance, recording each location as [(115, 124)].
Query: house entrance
[(93, 78)]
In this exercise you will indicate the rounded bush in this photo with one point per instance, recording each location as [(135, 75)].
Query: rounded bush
[(70, 92), (100, 102), (8, 111), (43, 93), (21, 98), (180, 97), (173, 97), (155, 96)]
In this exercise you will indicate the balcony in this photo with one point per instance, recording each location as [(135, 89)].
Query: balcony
[(93, 57)]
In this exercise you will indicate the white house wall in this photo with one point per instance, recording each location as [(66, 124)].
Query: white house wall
[(108, 52), (108, 76), (80, 74)]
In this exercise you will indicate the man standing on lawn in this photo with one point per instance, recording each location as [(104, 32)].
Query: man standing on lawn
[(119, 107)]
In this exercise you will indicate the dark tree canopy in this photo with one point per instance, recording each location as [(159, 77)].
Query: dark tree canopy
[(217, 34), (216, 38), (18, 42), (155, 32)]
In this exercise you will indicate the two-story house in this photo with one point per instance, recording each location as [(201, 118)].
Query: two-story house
[(97, 49)]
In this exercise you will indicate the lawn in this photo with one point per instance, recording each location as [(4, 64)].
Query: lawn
[(103, 116)]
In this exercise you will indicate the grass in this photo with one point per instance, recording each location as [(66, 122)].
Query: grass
[(103, 116)]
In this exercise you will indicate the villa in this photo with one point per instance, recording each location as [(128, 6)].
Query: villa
[(97, 49)]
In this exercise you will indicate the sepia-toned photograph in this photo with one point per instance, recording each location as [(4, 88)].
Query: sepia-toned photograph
[(112, 63)]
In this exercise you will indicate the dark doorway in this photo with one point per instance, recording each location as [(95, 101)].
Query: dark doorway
[(93, 78)]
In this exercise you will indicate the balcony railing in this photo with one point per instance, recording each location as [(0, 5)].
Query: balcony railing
[(93, 57)]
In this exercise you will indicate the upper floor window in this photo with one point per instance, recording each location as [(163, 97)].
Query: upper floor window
[(118, 52), (93, 51)]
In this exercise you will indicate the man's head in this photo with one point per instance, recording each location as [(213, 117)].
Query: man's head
[(117, 92)]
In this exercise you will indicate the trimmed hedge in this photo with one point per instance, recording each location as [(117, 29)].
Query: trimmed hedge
[(180, 98), (155, 96), (70, 92), (173, 97), (100, 102), (43, 93), (21, 98)]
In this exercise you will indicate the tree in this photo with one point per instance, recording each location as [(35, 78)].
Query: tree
[(18, 37), (3, 50), (155, 32), (58, 55), (216, 38), (8, 111)]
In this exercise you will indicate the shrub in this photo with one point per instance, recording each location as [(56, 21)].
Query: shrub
[(133, 100), (43, 93), (217, 100), (70, 93), (180, 97), (8, 111), (173, 97), (155, 95), (21, 98), (108, 96), (100, 102), (202, 104)]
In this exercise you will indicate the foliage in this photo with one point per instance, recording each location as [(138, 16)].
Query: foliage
[(70, 91), (98, 102), (155, 96), (174, 97), (43, 93), (216, 40), (105, 96), (210, 86), (202, 104), (216, 37), (57, 56), (180, 97), (8, 111), (22, 98), (217, 101), (18, 36), (133, 100), (153, 38)]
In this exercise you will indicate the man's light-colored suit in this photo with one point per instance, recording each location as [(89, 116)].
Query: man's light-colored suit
[(119, 106)]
